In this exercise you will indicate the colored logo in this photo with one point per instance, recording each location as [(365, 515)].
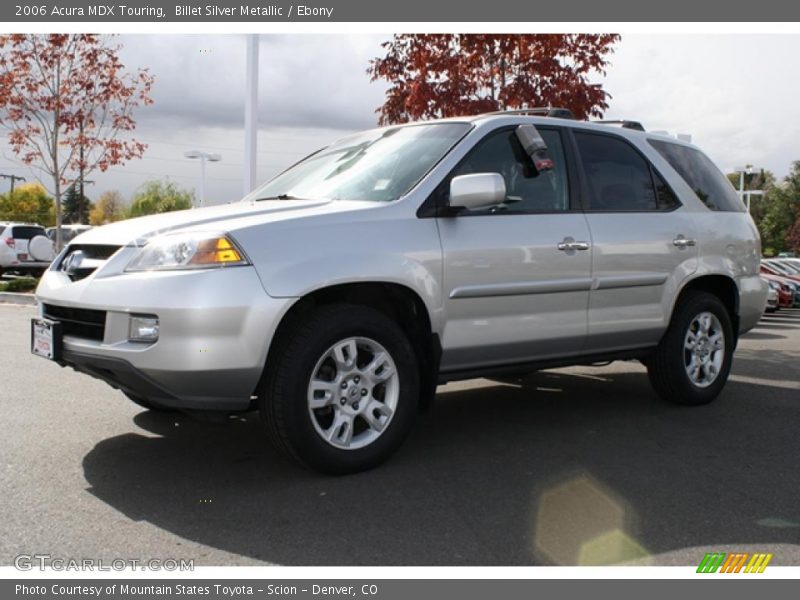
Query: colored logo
[(720, 562)]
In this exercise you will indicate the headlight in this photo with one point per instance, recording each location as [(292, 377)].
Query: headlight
[(187, 251)]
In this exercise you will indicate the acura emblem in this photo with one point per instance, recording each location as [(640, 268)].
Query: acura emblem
[(73, 262)]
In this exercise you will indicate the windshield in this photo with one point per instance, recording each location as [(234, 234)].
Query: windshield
[(378, 166)]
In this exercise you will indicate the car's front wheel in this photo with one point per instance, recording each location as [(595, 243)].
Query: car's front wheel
[(342, 390), (693, 360)]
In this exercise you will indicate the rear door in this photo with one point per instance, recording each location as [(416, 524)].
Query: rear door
[(644, 243), (516, 276)]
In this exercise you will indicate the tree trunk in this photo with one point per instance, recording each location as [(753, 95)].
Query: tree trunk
[(59, 236), (56, 170), (81, 197)]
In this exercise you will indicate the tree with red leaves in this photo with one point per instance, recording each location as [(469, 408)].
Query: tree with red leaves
[(447, 75), (66, 100), (793, 236)]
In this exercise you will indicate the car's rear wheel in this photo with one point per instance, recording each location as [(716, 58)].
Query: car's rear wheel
[(693, 360), (342, 390)]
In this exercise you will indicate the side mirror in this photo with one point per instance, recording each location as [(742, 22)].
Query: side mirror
[(478, 190)]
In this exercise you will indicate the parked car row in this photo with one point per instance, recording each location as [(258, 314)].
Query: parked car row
[(783, 276)]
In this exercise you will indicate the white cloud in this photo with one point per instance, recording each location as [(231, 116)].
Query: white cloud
[(735, 94)]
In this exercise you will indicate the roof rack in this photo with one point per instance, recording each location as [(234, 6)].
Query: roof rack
[(624, 123), (541, 111)]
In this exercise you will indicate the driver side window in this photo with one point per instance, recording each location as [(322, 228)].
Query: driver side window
[(526, 192)]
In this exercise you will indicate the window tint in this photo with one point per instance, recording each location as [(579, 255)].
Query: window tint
[(697, 170), (526, 192), (25, 233), (619, 178), (665, 197)]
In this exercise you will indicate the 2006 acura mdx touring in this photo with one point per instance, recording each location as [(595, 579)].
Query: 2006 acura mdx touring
[(335, 297)]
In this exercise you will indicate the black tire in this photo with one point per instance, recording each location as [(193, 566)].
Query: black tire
[(667, 368), (148, 404), (283, 393)]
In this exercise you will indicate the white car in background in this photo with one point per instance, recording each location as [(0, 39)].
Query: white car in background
[(24, 248), (68, 232)]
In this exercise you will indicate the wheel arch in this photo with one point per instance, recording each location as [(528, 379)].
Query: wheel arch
[(721, 286), (397, 301)]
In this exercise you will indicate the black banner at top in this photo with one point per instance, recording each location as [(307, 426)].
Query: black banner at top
[(441, 11)]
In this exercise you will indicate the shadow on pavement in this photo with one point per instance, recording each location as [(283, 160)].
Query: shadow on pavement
[(568, 468)]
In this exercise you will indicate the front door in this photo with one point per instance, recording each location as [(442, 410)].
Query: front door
[(516, 276)]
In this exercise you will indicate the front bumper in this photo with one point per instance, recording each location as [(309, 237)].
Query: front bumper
[(215, 328)]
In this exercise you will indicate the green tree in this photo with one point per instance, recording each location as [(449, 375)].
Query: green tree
[(110, 207), (781, 210), (160, 197), (75, 208), (29, 203)]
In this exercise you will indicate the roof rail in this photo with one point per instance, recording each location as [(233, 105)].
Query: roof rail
[(541, 111), (624, 123)]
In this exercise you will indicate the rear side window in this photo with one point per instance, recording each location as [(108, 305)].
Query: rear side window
[(25, 233), (619, 178), (2, 229), (697, 170), (665, 197)]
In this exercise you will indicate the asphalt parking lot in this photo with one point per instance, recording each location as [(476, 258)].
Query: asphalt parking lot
[(571, 466)]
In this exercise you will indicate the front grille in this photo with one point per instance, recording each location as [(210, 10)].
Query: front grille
[(78, 322), (81, 260)]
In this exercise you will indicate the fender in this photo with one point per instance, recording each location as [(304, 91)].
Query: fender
[(370, 246)]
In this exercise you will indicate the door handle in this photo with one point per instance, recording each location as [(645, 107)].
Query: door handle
[(682, 242), (570, 244)]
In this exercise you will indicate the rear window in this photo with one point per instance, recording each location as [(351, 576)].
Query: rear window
[(697, 170), (22, 232)]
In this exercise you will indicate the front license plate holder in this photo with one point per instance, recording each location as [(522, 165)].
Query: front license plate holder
[(46, 338)]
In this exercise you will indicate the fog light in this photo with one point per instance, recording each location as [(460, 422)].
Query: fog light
[(143, 328)]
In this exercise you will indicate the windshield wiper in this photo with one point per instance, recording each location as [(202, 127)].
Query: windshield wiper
[(279, 197)]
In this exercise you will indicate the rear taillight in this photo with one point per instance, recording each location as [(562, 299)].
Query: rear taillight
[(10, 242)]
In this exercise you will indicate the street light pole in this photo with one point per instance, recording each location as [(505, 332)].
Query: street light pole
[(203, 156), (250, 115), (747, 169)]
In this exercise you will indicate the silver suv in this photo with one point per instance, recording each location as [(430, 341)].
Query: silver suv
[(337, 296)]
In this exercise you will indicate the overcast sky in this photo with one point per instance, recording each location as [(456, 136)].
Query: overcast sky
[(735, 94)]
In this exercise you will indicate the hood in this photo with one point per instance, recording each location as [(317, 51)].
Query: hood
[(137, 231)]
